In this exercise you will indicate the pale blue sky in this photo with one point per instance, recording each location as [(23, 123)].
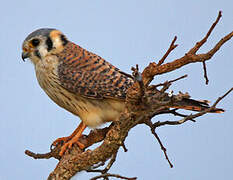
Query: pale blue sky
[(124, 32)]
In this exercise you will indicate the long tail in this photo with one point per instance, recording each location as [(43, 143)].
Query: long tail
[(194, 105)]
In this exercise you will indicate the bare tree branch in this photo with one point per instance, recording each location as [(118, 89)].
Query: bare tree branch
[(152, 127), (112, 175), (94, 136), (190, 57), (172, 47), (200, 43), (205, 73), (192, 116), (221, 97), (107, 168), (167, 82)]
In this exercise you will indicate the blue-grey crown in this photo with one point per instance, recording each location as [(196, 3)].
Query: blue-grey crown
[(40, 32)]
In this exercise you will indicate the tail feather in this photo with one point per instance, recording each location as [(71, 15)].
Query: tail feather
[(194, 105)]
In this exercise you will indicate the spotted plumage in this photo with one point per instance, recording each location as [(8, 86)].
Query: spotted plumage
[(89, 75), (81, 82)]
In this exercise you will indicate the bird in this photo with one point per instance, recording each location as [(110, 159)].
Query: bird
[(82, 82)]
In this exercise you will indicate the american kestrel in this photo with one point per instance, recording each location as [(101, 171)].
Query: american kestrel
[(81, 82)]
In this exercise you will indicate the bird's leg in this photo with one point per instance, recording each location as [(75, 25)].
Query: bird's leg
[(66, 139), (73, 138)]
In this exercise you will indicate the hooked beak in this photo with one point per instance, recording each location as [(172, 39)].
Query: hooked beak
[(25, 55)]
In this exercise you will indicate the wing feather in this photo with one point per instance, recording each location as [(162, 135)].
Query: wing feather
[(91, 76)]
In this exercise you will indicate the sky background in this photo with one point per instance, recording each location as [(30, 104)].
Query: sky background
[(124, 32)]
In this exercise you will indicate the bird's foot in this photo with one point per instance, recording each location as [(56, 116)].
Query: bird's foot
[(68, 145), (61, 140), (68, 141)]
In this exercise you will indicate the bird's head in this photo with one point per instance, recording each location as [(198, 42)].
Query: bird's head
[(43, 42)]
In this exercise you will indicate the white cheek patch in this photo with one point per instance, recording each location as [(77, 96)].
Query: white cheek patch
[(57, 42), (43, 51)]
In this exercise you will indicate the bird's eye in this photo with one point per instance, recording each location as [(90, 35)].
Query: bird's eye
[(35, 42)]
